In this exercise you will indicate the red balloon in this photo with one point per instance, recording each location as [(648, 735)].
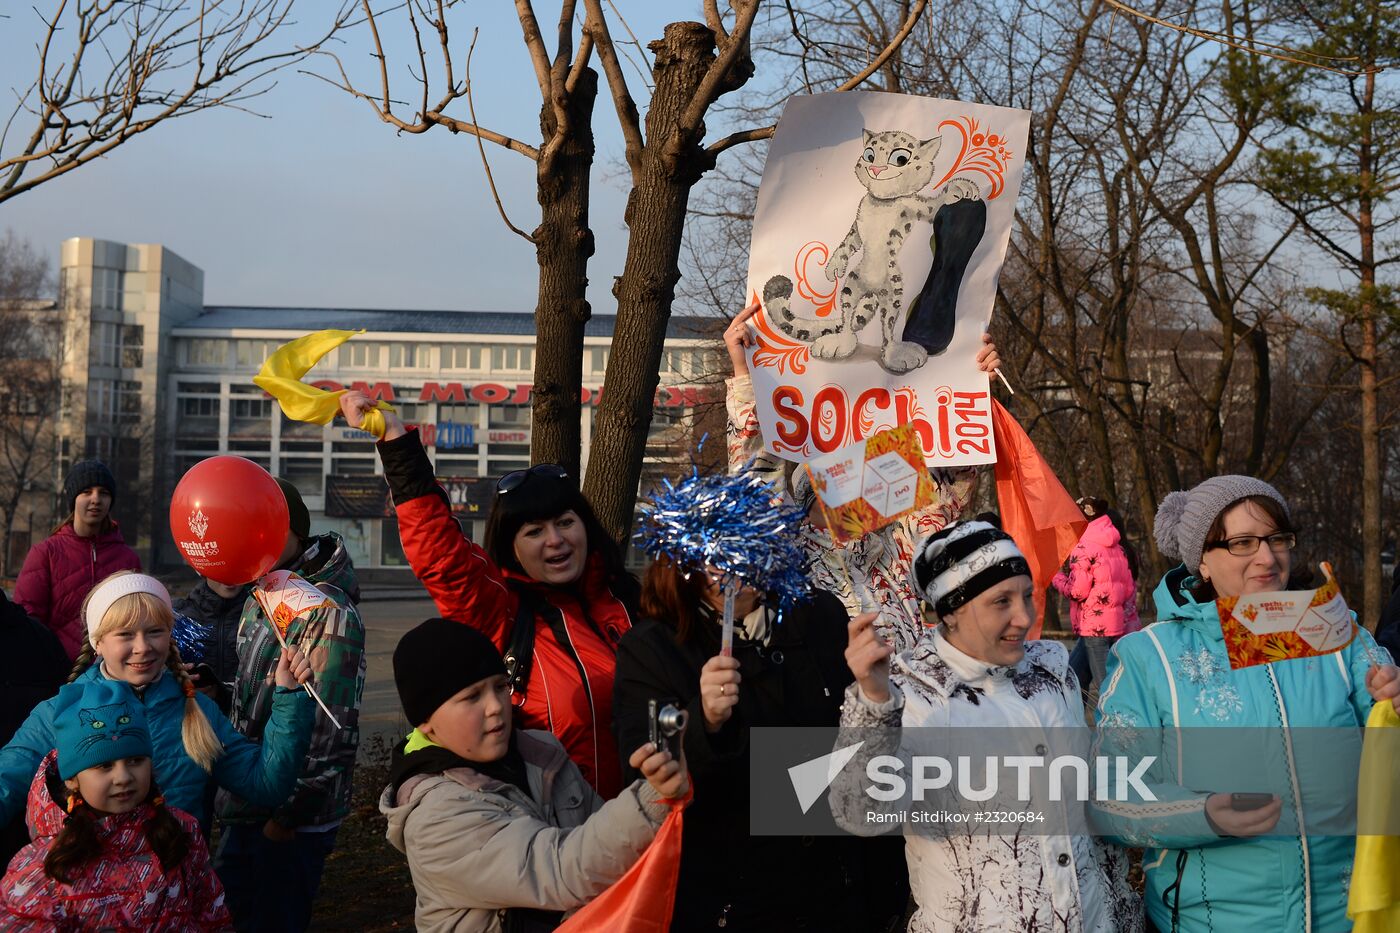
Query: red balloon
[(229, 519)]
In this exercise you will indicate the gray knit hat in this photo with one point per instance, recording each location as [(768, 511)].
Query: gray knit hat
[(1184, 518)]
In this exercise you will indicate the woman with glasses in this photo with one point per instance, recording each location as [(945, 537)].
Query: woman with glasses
[(547, 585), (1226, 850)]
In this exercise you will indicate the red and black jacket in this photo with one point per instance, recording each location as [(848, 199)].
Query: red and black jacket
[(570, 684)]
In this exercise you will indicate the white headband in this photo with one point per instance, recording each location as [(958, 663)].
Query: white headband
[(113, 589)]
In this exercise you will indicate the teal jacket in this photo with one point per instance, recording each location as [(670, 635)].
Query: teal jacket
[(1176, 673), (265, 772)]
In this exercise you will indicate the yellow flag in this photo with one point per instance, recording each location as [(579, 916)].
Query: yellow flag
[(1373, 903), (281, 374)]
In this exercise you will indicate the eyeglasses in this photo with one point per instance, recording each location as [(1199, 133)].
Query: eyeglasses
[(1248, 545), (516, 478)]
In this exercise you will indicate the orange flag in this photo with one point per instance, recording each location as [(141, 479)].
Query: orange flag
[(1035, 509), (642, 900)]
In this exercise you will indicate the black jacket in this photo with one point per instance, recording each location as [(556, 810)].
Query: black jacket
[(224, 615), (762, 882), (33, 665)]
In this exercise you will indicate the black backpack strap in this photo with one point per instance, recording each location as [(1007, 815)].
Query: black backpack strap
[(520, 646)]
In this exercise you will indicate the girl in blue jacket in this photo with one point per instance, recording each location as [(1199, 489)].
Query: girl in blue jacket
[(1280, 858), (129, 619)]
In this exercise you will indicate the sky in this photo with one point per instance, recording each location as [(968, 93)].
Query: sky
[(321, 204)]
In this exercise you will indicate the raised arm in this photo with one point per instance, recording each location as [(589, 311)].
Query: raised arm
[(744, 439), (462, 580)]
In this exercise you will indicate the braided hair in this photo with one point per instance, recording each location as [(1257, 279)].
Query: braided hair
[(128, 612)]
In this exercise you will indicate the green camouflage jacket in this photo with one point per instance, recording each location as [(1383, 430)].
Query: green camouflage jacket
[(334, 640)]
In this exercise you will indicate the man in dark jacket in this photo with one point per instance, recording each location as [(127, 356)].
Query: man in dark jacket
[(32, 668), (271, 861)]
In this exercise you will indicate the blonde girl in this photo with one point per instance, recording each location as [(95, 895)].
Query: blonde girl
[(129, 619)]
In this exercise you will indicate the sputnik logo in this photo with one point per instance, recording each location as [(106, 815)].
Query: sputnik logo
[(199, 524)]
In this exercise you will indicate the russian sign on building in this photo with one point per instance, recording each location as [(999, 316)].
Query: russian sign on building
[(495, 393)]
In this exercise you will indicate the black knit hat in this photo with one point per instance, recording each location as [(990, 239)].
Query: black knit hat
[(963, 561), (298, 518), (85, 475), (437, 659)]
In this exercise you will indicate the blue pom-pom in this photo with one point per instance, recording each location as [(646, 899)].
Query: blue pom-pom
[(736, 524), (190, 636)]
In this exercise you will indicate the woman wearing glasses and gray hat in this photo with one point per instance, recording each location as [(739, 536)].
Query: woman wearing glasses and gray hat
[(548, 587), (1232, 847)]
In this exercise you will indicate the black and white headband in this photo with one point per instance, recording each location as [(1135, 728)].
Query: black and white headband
[(964, 560)]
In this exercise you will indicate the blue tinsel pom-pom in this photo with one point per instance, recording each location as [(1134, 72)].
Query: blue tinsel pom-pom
[(737, 524), (190, 636)]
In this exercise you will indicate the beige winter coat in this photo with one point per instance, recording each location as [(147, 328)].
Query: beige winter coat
[(477, 846)]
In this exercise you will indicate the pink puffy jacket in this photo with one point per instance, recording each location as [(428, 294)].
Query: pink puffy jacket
[(58, 573), (1102, 594)]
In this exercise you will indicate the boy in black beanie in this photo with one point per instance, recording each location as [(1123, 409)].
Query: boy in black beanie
[(496, 820)]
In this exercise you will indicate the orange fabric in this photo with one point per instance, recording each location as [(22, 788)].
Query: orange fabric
[(642, 900), (1035, 508)]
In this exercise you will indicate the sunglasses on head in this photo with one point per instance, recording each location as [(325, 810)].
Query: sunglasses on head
[(516, 478)]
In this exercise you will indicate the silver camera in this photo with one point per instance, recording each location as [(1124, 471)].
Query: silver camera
[(665, 725)]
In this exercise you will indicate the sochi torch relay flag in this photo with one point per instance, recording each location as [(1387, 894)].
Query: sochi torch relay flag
[(881, 227)]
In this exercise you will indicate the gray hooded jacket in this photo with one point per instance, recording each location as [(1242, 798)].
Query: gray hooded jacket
[(477, 846)]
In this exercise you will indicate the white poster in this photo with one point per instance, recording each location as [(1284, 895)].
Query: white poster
[(881, 227)]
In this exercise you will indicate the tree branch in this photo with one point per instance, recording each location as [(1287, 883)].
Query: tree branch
[(490, 179)]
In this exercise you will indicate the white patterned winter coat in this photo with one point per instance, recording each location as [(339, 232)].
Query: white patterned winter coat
[(988, 878), (870, 571)]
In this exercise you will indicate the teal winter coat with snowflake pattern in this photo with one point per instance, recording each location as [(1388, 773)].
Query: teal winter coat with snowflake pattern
[(1176, 674)]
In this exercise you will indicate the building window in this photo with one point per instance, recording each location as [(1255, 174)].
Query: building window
[(307, 475), (196, 406), (409, 355), (510, 416), (598, 359), (512, 359), (461, 356), (253, 352), (203, 351), (133, 345), (362, 355), (128, 402), (103, 346), (107, 288), (248, 408)]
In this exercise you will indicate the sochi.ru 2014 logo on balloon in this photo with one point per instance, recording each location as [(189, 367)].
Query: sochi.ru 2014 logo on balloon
[(199, 524)]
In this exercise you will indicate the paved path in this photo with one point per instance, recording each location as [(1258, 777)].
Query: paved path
[(385, 621)]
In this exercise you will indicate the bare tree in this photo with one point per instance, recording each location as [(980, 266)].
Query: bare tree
[(30, 356), (105, 72), (691, 68)]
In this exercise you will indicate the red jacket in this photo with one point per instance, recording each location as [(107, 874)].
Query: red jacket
[(569, 692), (58, 573), (124, 889)]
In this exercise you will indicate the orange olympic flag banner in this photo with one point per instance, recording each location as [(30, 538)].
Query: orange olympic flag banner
[(864, 487), (1035, 509), (1263, 627), (642, 900)]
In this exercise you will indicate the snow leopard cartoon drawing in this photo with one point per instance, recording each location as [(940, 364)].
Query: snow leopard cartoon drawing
[(894, 167)]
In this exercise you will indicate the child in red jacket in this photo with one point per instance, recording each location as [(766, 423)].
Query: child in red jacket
[(107, 853)]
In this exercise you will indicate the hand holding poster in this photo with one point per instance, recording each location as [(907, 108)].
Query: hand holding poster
[(866, 486), (881, 226), (1263, 627)]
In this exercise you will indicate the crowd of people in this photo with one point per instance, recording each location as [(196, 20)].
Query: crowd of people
[(533, 778)]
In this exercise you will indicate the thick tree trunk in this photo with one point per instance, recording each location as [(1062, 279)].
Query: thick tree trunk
[(563, 246), (1371, 479), (656, 207)]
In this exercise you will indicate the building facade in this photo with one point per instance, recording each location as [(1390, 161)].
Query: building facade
[(463, 377)]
